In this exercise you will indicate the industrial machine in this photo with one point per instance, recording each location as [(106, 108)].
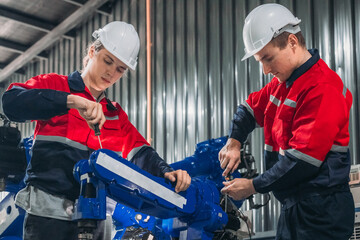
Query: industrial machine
[(14, 156), (13, 159), (147, 206), (151, 202)]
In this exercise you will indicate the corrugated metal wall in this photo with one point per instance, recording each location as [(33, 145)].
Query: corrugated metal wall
[(197, 76)]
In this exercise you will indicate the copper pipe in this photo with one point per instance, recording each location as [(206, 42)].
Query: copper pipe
[(148, 71)]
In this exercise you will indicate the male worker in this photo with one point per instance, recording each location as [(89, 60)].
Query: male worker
[(304, 111)]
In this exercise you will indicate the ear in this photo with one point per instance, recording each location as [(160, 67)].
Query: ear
[(91, 51), (293, 40)]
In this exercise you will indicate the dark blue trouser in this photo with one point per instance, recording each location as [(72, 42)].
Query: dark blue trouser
[(320, 217), (43, 228)]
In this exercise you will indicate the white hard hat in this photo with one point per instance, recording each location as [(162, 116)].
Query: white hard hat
[(121, 40), (265, 22)]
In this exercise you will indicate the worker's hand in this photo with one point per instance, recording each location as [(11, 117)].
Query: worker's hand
[(229, 156), (91, 111), (239, 188), (181, 177)]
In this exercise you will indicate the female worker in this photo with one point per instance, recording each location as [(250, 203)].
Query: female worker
[(66, 110)]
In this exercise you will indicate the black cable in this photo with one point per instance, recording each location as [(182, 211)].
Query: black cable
[(224, 233), (245, 218)]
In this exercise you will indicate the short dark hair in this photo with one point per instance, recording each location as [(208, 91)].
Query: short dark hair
[(282, 40)]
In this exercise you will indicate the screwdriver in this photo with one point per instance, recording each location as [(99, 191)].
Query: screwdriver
[(229, 177), (97, 133)]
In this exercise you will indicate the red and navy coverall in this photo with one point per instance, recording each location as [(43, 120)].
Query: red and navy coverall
[(63, 137), (305, 122)]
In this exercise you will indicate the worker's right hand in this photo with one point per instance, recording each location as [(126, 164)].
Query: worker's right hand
[(91, 111), (229, 156)]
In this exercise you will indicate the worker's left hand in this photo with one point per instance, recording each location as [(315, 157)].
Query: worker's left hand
[(239, 188), (181, 177)]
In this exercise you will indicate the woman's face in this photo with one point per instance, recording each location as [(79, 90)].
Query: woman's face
[(103, 70)]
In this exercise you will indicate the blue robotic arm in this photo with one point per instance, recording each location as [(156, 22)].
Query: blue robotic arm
[(107, 174), (194, 214)]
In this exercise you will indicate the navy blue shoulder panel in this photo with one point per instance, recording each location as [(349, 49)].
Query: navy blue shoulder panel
[(242, 124), (20, 104)]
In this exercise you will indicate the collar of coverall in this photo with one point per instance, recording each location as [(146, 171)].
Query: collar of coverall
[(303, 68), (76, 84)]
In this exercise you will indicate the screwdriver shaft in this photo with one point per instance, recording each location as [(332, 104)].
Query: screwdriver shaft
[(97, 133), (100, 142), (227, 178)]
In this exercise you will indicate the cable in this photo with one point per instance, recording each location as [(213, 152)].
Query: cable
[(257, 206), (245, 218)]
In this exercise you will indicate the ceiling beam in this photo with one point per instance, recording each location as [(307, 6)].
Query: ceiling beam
[(20, 70), (105, 9), (18, 48), (30, 21), (49, 39)]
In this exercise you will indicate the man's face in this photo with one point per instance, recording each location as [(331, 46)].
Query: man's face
[(279, 62)]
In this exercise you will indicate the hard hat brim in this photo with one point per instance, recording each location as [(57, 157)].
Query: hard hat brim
[(252, 53)]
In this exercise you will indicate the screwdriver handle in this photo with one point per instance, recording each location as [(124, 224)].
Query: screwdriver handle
[(97, 130)]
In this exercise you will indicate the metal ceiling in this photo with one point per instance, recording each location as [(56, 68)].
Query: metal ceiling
[(29, 27)]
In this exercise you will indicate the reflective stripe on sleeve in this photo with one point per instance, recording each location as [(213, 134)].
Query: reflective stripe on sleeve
[(247, 106), (268, 148), (290, 103), (134, 151), (63, 140), (337, 148), (274, 100), (251, 111), (304, 157)]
